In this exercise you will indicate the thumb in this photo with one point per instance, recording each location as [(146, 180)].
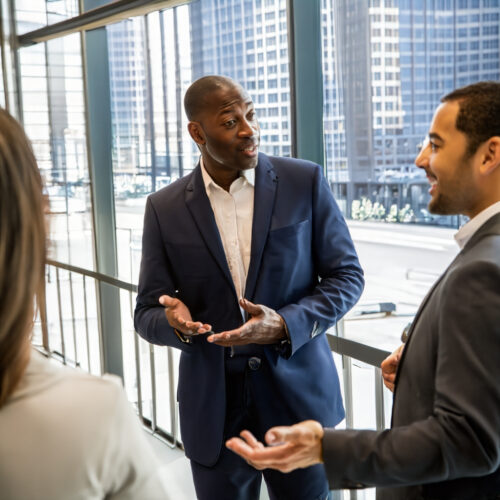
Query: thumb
[(277, 435), (167, 301), (250, 307)]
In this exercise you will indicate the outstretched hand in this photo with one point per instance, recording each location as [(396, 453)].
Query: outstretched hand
[(179, 317), (390, 367), (265, 326), (290, 448)]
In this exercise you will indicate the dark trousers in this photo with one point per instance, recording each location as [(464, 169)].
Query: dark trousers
[(231, 478)]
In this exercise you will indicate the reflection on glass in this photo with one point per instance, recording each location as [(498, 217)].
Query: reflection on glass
[(35, 14), (53, 107)]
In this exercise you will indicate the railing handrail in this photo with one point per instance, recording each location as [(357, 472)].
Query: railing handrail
[(130, 287), (356, 350)]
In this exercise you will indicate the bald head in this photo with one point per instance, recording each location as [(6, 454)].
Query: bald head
[(198, 94)]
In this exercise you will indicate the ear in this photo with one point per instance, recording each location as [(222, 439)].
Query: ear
[(196, 132), (491, 156)]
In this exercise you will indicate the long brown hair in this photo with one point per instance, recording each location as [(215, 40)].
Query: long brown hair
[(22, 250)]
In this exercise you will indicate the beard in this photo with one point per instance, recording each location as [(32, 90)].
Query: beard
[(455, 195)]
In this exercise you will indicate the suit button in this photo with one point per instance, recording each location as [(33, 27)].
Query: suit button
[(254, 363)]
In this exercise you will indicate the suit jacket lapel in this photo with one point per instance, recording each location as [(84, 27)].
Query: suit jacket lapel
[(266, 182), (199, 205), (491, 226)]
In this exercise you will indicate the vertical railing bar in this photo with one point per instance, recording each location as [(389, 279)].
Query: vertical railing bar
[(172, 398), (73, 320), (347, 369), (87, 341), (347, 373), (131, 305), (379, 400), (59, 303), (43, 312), (153, 386), (138, 375)]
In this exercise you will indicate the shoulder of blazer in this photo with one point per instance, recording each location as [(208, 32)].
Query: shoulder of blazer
[(284, 166), (287, 162), (172, 190), (490, 228)]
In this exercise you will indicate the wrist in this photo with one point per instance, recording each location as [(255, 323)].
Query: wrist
[(284, 334)]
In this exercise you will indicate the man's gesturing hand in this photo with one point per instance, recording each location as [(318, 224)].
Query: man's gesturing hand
[(390, 367), (290, 448), (265, 326), (179, 317)]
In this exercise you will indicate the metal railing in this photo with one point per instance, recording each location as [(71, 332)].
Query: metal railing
[(73, 320), (69, 281)]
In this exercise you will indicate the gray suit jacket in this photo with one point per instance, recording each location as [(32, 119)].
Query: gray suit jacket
[(445, 437)]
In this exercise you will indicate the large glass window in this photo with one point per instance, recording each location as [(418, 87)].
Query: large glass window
[(152, 61), (54, 120), (385, 67)]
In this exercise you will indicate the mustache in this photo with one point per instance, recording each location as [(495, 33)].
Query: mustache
[(250, 143)]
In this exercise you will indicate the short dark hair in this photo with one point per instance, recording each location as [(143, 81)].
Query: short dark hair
[(479, 114), (196, 95)]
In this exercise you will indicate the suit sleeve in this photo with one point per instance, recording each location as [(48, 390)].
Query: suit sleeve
[(461, 438), (155, 280), (336, 262)]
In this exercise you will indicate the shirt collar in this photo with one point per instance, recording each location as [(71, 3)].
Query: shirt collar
[(466, 232), (248, 175)]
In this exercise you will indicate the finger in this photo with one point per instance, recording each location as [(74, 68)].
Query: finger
[(251, 439), (226, 343), (204, 328), (250, 307), (279, 435), (229, 336), (389, 385), (193, 325), (167, 301), (180, 319), (240, 447), (259, 458)]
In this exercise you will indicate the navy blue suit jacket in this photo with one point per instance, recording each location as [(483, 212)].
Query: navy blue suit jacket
[(303, 265)]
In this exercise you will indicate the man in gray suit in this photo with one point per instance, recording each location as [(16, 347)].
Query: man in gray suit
[(445, 437)]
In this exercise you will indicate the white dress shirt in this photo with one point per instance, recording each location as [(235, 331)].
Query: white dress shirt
[(465, 233), (233, 212)]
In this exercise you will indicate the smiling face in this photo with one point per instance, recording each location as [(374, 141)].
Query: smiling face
[(450, 170), (227, 132)]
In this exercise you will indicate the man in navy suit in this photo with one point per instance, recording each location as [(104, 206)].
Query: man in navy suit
[(255, 248), (444, 442)]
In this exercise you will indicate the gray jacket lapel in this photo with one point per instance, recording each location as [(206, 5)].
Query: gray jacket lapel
[(491, 226)]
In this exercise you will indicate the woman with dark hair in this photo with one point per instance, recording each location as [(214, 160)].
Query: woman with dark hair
[(64, 434)]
